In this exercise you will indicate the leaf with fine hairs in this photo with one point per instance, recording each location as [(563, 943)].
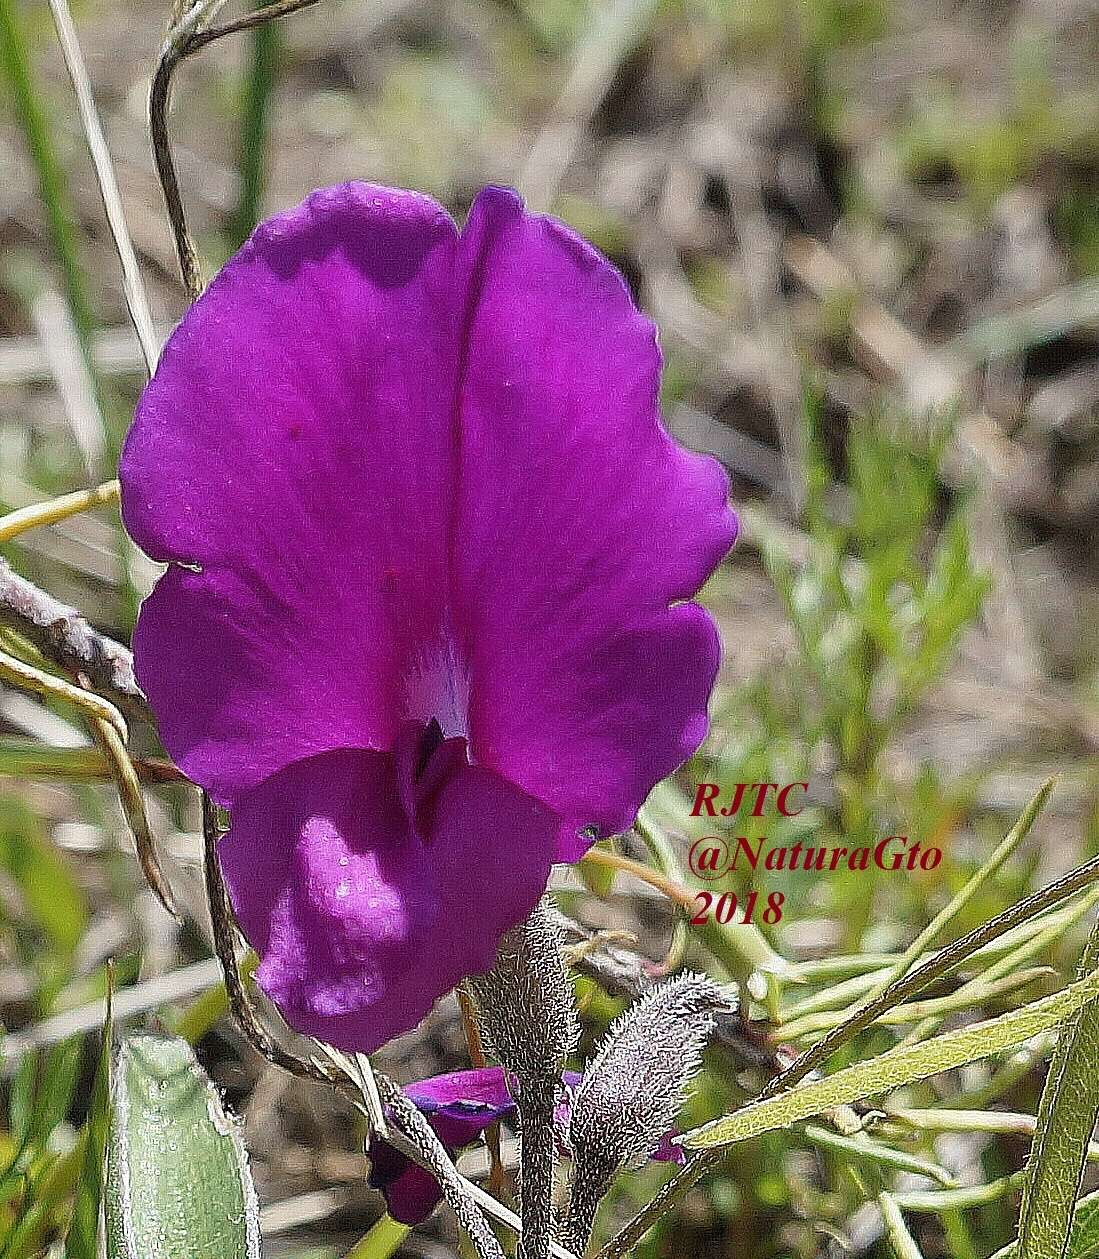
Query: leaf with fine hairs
[(1066, 1120), (178, 1183), (1083, 1239), (897, 1067)]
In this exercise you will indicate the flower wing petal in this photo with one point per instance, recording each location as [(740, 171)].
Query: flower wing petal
[(360, 925), (295, 448), (580, 523), (477, 1091), (410, 1192)]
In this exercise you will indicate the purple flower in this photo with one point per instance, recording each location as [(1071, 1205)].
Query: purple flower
[(459, 1106), (425, 627)]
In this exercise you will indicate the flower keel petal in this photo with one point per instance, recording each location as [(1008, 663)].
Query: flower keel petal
[(360, 924)]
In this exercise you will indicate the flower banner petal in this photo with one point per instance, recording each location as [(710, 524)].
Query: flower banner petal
[(295, 447), (580, 521)]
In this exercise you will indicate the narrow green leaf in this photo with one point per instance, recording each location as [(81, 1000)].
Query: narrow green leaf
[(33, 116), (1083, 1241), (973, 994), (939, 1201), (82, 1241), (58, 1077), (988, 871), (178, 1183), (22, 758), (1066, 1120), (897, 1067)]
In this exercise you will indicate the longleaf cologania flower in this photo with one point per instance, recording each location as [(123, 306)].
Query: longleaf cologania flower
[(459, 1106), (425, 627)]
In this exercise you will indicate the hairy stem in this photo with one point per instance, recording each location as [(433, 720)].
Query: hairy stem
[(536, 1177), (584, 1200)]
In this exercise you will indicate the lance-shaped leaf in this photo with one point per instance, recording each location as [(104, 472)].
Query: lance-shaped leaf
[(178, 1184), (897, 1067), (1066, 1120)]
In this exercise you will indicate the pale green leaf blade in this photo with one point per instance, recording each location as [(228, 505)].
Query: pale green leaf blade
[(1083, 1242), (897, 1067), (1066, 1120), (48, 889), (178, 1183)]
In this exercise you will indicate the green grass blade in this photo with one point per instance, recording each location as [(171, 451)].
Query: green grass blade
[(865, 1149), (60, 218), (266, 42), (83, 1238), (50, 893)]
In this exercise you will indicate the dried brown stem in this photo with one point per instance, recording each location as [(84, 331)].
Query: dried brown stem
[(64, 636), (477, 1059), (179, 46)]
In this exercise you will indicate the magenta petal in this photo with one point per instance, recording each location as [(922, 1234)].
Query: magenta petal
[(411, 1194), (360, 925), (668, 1151), (479, 1090), (296, 443), (581, 522), (460, 1106)]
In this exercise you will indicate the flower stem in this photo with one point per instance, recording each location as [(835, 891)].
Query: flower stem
[(536, 1177), (673, 891)]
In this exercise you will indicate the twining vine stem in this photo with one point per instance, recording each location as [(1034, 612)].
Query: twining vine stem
[(187, 37)]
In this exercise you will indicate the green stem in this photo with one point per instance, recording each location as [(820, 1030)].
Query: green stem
[(60, 218), (262, 71)]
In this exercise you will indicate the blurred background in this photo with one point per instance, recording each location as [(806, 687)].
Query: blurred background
[(868, 231)]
